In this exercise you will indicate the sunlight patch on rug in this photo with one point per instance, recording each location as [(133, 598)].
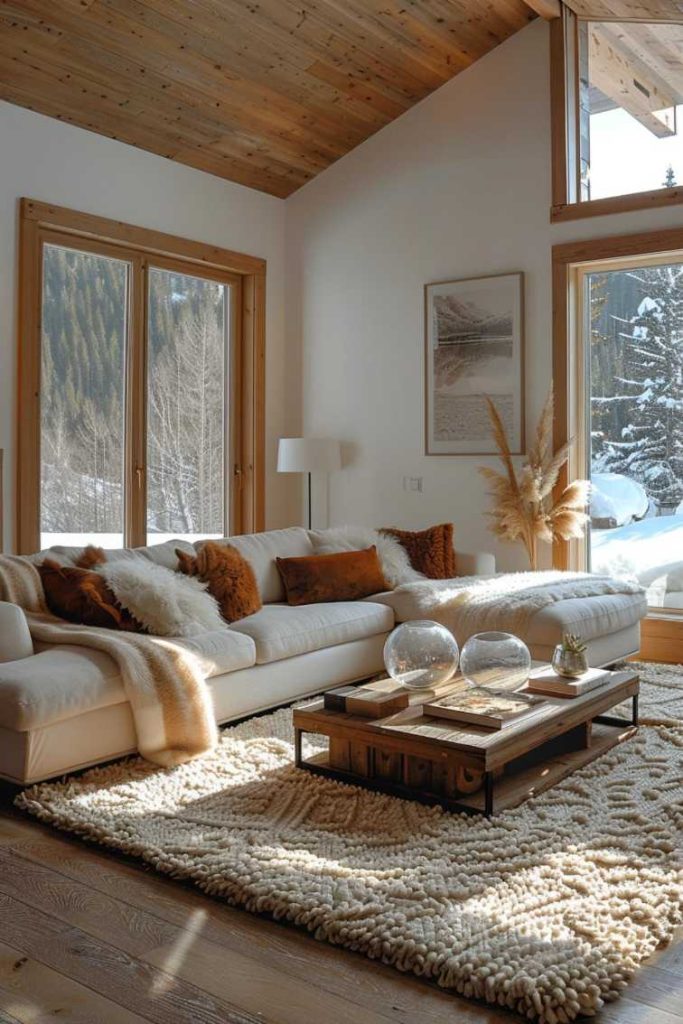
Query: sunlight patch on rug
[(547, 909)]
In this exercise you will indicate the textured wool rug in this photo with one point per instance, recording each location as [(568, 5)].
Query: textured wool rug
[(547, 909)]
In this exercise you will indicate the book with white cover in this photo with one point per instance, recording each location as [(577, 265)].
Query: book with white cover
[(545, 680), (493, 711)]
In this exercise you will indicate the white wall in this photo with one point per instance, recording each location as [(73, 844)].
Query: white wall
[(44, 159), (458, 186)]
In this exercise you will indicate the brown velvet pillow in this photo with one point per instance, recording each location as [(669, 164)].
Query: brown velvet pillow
[(82, 596), (430, 551), (345, 576), (90, 557), (229, 575)]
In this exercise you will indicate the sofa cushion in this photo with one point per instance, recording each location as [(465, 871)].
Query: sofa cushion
[(261, 550), (282, 631), (344, 576), (430, 551), (590, 617), (161, 554), (65, 680), (229, 578), (82, 596)]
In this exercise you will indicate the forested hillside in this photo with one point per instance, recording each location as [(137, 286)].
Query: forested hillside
[(637, 378), (83, 396)]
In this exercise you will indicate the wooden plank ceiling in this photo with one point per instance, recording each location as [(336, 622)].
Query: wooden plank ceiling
[(263, 92)]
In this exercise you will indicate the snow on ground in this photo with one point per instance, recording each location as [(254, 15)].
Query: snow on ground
[(114, 540), (650, 551), (617, 498)]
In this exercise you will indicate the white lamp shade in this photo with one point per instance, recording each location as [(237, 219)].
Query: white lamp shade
[(308, 455)]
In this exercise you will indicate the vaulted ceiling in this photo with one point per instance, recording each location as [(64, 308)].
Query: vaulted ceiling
[(263, 92)]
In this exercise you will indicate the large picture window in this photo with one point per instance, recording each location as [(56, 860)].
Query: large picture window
[(633, 323), (141, 385), (618, 372)]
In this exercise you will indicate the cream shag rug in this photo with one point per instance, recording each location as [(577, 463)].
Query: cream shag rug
[(547, 909)]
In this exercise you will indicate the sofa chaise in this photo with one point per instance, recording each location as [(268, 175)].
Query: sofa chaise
[(63, 707)]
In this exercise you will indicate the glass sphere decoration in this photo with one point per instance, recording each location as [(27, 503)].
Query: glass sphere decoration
[(421, 654), (497, 662)]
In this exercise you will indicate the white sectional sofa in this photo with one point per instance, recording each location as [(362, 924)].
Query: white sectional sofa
[(63, 707)]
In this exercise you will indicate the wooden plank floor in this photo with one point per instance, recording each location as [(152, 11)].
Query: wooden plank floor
[(88, 937)]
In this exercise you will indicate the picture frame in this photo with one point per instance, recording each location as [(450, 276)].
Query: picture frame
[(474, 347)]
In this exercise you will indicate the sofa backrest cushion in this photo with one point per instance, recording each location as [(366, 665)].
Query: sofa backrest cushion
[(161, 554), (261, 550)]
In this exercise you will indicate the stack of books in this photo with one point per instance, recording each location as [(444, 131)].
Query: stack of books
[(545, 680), (372, 700), (490, 711)]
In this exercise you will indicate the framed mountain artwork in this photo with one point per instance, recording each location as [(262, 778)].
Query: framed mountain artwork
[(474, 347)]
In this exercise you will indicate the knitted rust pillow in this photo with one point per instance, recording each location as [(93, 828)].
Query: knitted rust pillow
[(82, 596), (430, 551), (229, 575), (345, 576)]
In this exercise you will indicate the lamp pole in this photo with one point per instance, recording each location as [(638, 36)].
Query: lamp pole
[(310, 521)]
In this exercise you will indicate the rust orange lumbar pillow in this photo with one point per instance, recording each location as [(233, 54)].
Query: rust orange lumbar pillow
[(430, 551), (229, 576), (345, 576), (82, 596)]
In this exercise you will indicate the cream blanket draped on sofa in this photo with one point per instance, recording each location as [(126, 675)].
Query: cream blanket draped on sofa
[(164, 683), (507, 602)]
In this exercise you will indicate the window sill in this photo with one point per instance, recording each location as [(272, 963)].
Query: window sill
[(617, 204)]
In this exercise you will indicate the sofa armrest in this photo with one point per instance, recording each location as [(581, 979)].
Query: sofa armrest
[(15, 639), (475, 563)]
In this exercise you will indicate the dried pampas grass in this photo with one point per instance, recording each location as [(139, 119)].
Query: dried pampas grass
[(523, 504)]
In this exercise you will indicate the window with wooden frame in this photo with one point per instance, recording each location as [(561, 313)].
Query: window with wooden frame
[(617, 115), (618, 373), (141, 384)]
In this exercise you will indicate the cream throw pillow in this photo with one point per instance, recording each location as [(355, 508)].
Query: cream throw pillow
[(393, 558), (165, 602)]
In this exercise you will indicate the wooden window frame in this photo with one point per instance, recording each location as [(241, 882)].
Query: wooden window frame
[(41, 223), (565, 143), (662, 630)]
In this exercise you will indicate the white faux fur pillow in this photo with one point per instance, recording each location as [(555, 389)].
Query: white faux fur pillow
[(393, 558), (165, 602)]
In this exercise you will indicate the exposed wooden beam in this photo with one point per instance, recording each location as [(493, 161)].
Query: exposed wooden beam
[(649, 54), (628, 10), (612, 72), (547, 9)]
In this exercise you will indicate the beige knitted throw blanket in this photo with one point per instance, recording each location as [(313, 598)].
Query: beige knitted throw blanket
[(164, 684), (507, 602)]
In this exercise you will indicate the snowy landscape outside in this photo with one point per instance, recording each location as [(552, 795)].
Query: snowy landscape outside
[(636, 371), (636, 405)]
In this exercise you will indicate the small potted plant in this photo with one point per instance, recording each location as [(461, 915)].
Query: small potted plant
[(569, 657)]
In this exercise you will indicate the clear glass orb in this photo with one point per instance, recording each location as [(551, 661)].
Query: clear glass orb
[(498, 662), (421, 654)]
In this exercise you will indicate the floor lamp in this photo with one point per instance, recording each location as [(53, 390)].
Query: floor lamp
[(308, 455)]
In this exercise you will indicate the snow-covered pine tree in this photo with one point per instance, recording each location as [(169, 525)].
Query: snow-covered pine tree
[(651, 445), (670, 178)]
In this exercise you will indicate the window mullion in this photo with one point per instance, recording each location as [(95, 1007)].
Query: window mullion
[(136, 448)]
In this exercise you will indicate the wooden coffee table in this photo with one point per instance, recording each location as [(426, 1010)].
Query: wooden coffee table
[(437, 761)]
